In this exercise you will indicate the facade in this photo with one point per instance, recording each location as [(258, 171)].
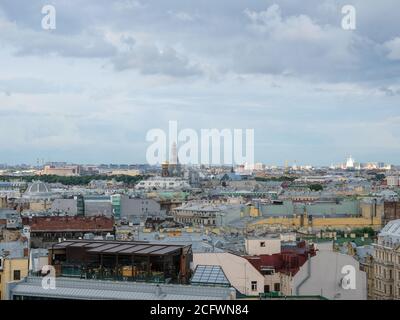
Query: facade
[(10, 219), (372, 208), (98, 205), (241, 274), (126, 172), (393, 181), (11, 269), (386, 263), (67, 171), (44, 231), (3, 202), (66, 206), (137, 207), (162, 184), (198, 215), (279, 268), (13, 264), (324, 275), (367, 265), (391, 211), (263, 246)]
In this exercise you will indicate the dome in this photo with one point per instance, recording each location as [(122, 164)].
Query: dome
[(37, 190), (38, 187)]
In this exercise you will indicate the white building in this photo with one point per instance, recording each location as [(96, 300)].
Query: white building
[(258, 247), (330, 274), (350, 163), (163, 184), (386, 263), (393, 181), (241, 274)]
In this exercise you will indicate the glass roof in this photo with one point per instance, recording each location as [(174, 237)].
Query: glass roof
[(209, 275)]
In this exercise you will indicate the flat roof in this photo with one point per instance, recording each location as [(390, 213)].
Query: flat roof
[(68, 288), (121, 247)]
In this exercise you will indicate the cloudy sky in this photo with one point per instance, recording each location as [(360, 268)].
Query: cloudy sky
[(90, 90)]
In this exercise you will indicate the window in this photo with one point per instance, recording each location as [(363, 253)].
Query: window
[(267, 272), (277, 287), (254, 286), (262, 244), (17, 274), (266, 289)]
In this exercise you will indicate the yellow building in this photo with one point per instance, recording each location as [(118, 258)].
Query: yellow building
[(319, 222), (11, 269), (39, 205), (67, 171), (371, 209), (131, 172), (3, 202)]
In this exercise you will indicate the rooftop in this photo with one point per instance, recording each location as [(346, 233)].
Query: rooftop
[(121, 247), (391, 232), (209, 275), (67, 288)]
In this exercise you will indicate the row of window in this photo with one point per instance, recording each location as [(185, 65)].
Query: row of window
[(267, 289), (386, 256), (386, 289), (196, 221), (16, 275)]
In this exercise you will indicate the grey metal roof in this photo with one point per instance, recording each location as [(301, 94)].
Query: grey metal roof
[(8, 213), (68, 288), (122, 247), (104, 247), (14, 249)]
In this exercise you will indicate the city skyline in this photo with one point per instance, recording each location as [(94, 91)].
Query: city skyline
[(282, 164), (91, 89)]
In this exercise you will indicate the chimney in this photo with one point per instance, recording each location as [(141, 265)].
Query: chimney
[(158, 291)]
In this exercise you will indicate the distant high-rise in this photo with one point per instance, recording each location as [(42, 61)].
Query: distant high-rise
[(174, 166), (350, 163)]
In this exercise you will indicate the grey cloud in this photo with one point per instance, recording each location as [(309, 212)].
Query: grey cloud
[(393, 48), (150, 60), (389, 91)]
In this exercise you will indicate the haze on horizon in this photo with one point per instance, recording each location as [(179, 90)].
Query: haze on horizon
[(89, 91)]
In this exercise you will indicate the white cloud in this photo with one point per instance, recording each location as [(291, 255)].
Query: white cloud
[(182, 16)]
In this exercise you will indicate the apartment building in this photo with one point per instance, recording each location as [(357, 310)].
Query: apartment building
[(386, 264), (13, 264)]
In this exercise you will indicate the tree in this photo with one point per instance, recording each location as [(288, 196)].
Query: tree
[(316, 187)]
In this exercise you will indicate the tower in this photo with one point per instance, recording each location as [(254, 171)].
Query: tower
[(165, 169), (174, 166)]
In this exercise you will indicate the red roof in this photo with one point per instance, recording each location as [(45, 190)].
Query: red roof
[(54, 224), (289, 261)]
